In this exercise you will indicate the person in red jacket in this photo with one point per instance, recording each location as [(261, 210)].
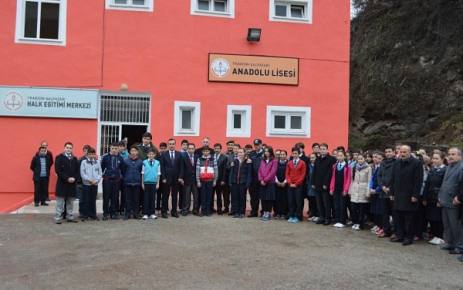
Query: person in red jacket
[(295, 176)]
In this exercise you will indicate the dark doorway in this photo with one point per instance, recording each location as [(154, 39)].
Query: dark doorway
[(133, 133)]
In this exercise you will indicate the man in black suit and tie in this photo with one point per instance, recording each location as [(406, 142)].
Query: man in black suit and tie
[(188, 174), (170, 171), (220, 190)]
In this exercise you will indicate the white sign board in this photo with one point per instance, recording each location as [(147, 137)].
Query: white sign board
[(48, 102)]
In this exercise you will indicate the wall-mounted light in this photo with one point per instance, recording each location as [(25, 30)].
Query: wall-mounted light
[(254, 34)]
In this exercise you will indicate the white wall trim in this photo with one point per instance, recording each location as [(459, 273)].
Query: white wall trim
[(304, 112), (308, 14), (20, 21), (149, 7), (245, 131), (195, 11), (196, 107)]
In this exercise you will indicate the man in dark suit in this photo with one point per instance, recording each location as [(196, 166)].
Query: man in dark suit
[(171, 161), (220, 190), (188, 174)]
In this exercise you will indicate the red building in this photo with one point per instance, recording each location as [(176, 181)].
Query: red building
[(186, 68)]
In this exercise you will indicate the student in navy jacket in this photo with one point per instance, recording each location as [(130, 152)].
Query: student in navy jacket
[(131, 171), (111, 164), (171, 161), (240, 178), (40, 166)]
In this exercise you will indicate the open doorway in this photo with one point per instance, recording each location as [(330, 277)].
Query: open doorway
[(133, 133)]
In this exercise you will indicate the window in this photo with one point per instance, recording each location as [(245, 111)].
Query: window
[(291, 10), (134, 5), (220, 8), (288, 121), (186, 118), (41, 21), (238, 121)]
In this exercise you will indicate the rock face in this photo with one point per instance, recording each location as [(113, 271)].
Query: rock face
[(406, 73)]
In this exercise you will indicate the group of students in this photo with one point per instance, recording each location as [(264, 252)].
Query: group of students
[(406, 195)]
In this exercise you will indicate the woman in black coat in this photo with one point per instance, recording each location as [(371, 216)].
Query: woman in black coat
[(433, 210)]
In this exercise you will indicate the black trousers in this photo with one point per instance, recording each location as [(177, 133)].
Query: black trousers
[(313, 208), (149, 196), (122, 199), (132, 193), (340, 207), (358, 213), (41, 190), (385, 215), (159, 196), (168, 190), (181, 190), (254, 192), (281, 200), (89, 193), (222, 196), (419, 220), (437, 229), (295, 202), (238, 198), (325, 205), (110, 196), (404, 225)]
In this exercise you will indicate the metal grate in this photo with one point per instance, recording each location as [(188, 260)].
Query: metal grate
[(127, 109), (117, 110), (109, 134)]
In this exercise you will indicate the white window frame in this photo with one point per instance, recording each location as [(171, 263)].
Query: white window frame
[(21, 21), (230, 13), (196, 116), (308, 11), (148, 7), (246, 117), (304, 112)]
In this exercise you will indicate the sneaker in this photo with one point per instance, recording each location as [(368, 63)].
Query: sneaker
[(295, 220), (290, 220), (145, 217), (316, 219), (153, 217), (336, 225), (357, 227), (341, 226), (354, 226), (374, 229)]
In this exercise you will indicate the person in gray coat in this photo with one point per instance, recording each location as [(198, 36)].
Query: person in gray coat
[(453, 229)]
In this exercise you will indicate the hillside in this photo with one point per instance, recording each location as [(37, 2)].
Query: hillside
[(406, 73)]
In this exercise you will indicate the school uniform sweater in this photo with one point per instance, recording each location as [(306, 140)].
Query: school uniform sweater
[(295, 174)]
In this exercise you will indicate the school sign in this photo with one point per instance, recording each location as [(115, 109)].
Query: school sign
[(48, 102), (253, 69)]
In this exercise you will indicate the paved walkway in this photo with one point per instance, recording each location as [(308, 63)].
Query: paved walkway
[(211, 253)]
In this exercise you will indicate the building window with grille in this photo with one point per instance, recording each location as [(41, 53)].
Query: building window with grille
[(220, 8), (186, 118), (133, 5), (288, 121), (238, 121), (291, 11), (41, 22)]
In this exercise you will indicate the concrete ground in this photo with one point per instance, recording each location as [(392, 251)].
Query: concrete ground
[(211, 253)]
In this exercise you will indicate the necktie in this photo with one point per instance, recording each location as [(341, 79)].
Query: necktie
[(151, 162), (172, 157), (295, 163), (192, 160)]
